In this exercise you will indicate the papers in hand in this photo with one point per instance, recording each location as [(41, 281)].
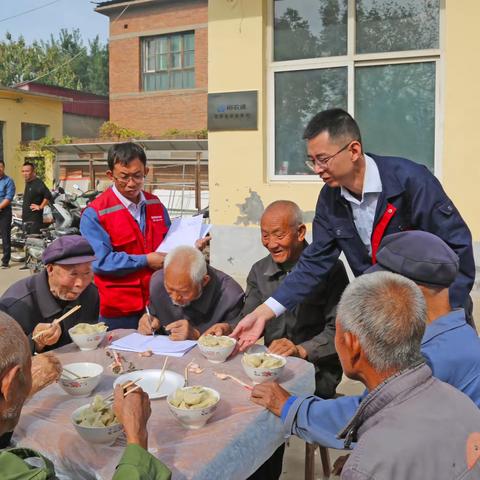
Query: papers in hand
[(184, 231), (159, 345)]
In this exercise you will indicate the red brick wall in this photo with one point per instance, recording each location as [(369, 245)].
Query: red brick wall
[(155, 112)]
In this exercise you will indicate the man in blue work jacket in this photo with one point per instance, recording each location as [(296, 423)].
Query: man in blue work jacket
[(365, 197), (7, 192)]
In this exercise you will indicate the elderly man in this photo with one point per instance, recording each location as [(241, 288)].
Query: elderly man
[(308, 331), (450, 347), (36, 301), (187, 296), (132, 411), (365, 197), (410, 425)]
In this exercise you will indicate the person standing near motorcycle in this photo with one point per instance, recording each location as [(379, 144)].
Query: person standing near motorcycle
[(7, 192), (35, 198)]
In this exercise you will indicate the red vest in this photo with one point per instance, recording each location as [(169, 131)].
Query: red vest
[(128, 294)]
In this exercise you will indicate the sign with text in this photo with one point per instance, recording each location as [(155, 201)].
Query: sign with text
[(232, 111)]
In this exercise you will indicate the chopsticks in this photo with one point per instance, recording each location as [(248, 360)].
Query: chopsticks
[(162, 374), (58, 320), (73, 374), (109, 398)]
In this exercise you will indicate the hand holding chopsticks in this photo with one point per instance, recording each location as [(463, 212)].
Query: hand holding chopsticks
[(126, 386), (57, 321)]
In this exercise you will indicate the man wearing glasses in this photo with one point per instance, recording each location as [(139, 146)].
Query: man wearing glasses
[(124, 226), (365, 198)]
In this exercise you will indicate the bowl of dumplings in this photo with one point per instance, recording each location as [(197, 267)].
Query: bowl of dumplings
[(193, 406), (88, 336), (263, 367), (216, 349), (96, 422)]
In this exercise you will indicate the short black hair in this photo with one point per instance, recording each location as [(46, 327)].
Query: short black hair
[(337, 122), (2, 161), (124, 153), (29, 164)]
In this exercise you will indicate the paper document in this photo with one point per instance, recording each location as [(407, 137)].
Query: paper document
[(184, 231), (159, 345)]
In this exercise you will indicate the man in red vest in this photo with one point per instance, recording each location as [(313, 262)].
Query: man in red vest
[(124, 226)]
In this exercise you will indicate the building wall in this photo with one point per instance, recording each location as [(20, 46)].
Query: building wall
[(155, 112), (239, 186), (81, 126), (28, 109)]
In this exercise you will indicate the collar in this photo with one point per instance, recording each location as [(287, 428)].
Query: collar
[(125, 201), (371, 182), (272, 269), (204, 303), (47, 303), (387, 392), (450, 321)]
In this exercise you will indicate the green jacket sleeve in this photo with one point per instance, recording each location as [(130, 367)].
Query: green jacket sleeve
[(13, 466), (137, 464)]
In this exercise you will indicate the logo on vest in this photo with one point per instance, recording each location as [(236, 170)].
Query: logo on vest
[(156, 218)]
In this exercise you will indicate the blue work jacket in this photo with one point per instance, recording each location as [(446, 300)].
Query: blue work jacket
[(420, 203)]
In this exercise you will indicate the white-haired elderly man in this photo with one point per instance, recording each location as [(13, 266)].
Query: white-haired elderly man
[(16, 384), (410, 425), (187, 297)]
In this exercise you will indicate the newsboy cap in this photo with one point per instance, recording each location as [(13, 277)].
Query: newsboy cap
[(420, 256), (68, 250)]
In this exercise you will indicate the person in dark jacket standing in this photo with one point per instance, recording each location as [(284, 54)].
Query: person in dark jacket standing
[(365, 198), (7, 192), (35, 198)]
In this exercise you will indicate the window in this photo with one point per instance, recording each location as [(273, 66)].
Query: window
[(33, 131), (378, 59), (169, 62)]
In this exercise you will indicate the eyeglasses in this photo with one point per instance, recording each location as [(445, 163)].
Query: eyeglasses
[(322, 162), (124, 179)]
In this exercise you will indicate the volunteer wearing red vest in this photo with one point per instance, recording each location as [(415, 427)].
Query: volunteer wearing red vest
[(124, 226), (365, 198)]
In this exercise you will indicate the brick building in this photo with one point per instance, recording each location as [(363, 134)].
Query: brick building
[(158, 64)]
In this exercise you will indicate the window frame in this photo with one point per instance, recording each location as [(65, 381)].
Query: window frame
[(36, 125), (170, 69), (351, 61)]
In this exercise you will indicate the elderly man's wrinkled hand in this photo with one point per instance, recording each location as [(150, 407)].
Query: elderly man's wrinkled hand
[(50, 335), (46, 369), (133, 412), (182, 330), (271, 396), (202, 243), (285, 347), (148, 324), (219, 329)]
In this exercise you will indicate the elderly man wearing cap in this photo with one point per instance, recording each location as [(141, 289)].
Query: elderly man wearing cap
[(450, 347), (35, 302)]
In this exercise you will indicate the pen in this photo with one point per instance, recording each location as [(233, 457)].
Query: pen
[(161, 330)]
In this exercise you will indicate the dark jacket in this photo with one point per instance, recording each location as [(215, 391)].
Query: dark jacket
[(221, 301), (421, 204), (310, 324), (30, 302)]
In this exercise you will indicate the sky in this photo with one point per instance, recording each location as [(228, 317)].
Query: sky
[(39, 24)]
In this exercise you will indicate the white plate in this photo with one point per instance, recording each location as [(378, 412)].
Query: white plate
[(149, 381)]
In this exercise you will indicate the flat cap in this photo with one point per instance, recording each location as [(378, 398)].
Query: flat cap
[(68, 250), (420, 256)]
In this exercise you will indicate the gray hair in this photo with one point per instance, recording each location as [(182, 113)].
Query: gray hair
[(387, 313), (190, 256), (289, 208), (14, 348)]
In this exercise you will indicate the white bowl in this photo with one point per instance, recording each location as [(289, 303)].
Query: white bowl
[(87, 341), (103, 435), (193, 418), (262, 374), (217, 354), (81, 387)]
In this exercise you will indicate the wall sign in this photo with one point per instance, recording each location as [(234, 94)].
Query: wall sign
[(232, 111)]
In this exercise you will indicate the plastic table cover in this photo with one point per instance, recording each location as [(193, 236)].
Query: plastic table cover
[(234, 443)]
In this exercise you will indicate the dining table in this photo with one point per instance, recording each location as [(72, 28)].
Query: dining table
[(235, 442)]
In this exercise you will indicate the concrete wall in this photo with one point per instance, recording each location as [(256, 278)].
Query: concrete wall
[(17, 108), (81, 126), (155, 112)]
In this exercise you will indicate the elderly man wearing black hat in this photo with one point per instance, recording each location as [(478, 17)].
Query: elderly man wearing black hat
[(450, 347), (35, 302)]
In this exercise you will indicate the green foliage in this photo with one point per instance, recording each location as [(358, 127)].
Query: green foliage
[(88, 71), (110, 130)]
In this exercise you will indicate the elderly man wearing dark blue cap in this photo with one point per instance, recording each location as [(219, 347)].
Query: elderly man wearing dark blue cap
[(451, 348), (35, 302)]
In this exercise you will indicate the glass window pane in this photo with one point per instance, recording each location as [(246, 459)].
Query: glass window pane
[(163, 62), (188, 59), (395, 108), (176, 79), (175, 43), (163, 83), (396, 25), (188, 41), (176, 60), (188, 79), (150, 64), (162, 44), (299, 95), (309, 28)]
